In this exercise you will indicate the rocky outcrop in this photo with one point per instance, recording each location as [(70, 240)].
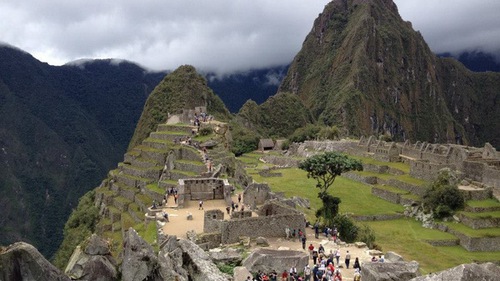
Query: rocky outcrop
[(198, 263), (226, 255), (268, 260), (393, 257), (139, 259), (22, 262), (94, 263), (389, 271), (465, 272)]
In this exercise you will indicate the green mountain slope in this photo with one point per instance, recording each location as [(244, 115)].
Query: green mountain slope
[(61, 129), (367, 71), (182, 89)]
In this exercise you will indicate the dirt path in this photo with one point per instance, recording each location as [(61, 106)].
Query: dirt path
[(179, 225)]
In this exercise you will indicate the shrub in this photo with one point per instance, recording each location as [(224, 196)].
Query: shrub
[(346, 227), (367, 235), (205, 131), (302, 134), (443, 196), (329, 133)]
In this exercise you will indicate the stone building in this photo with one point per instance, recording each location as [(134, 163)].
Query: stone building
[(273, 217)]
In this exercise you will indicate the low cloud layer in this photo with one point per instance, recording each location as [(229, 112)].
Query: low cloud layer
[(217, 35)]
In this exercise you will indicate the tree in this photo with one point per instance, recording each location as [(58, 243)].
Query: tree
[(325, 167), (443, 196)]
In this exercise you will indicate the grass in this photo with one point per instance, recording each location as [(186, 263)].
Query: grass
[(407, 238), (484, 232), (482, 215), (154, 187), (356, 197), (391, 188), (484, 203), (395, 165), (404, 236)]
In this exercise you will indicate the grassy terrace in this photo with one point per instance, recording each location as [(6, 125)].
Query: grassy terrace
[(407, 237), (404, 236), (490, 203), (485, 232), (483, 215), (356, 197), (154, 187), (395, 165)]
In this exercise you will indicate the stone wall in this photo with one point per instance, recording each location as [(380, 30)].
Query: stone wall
[(426, 170), (474, 244), (203, 189), (412, 188), (212, 221), (360, 178), (387, 195), (385, 217), (491, 176), (267, 226), (256, 194), (478, 223)]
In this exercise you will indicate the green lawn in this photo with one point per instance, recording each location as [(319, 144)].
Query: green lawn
[(485, 232), (407, 238), (404, 236), (484, 203), (483, 215), (356, 197)]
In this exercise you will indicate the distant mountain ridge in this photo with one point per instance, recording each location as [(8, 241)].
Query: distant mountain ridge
[(61, 129), (367, 71)]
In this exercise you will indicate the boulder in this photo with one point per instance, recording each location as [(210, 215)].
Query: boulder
[(261, 241), (393, 257), (389, 271), (97, 246), (139, 259), (375, 253), (267, 260), (226, 255), (21, 261), (484, 272), (94, 263), (198, 263), (241, 273), (360, 244)]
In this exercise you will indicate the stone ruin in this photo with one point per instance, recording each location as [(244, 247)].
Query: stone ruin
[(478, 165), (273, 217), (203, 189)]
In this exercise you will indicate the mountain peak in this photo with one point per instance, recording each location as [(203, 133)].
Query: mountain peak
[(364, 69)]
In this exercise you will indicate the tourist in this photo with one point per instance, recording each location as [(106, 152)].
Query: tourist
[(316, 230), (228, 210), (311, 248), (374, 259), (331, 267), (337, 276), (315, 256), (315, 272), (356, 264), (284, 275), (175, 198), (357, 275), (200, 205), (273, 276), (337, 256), (303, 242), (293, 270), (347, 259), (165, 216), (248, 278), (154, 204), (380, 259), (242, 207), (307, 273), (287, 232), (321, 250), (239, 198)]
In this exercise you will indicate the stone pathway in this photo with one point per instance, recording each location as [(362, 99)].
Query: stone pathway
[(179, 225)]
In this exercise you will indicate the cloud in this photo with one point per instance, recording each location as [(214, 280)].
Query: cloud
[(224, 36), (455, 25)]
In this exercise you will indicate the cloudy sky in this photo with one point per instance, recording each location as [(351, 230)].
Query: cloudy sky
[(217, 35)]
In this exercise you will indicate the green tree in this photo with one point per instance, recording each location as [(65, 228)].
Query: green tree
[(325, 167), (443, 196), (330, 208)]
